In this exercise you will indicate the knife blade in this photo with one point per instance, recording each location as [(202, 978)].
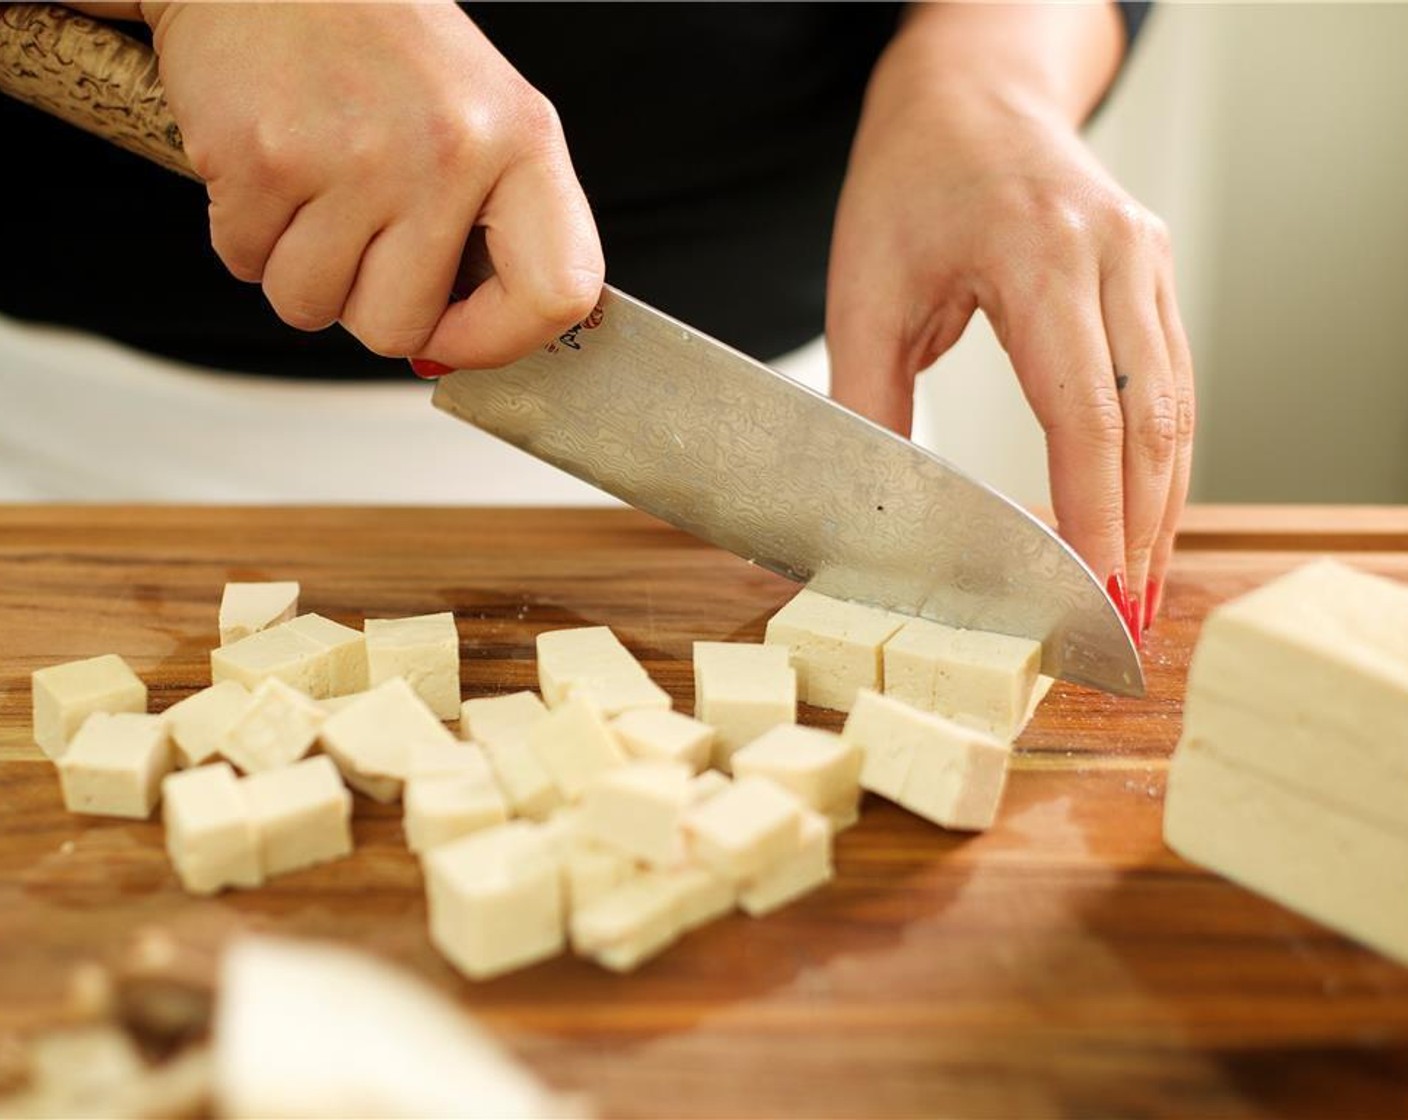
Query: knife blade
[(700, 435)]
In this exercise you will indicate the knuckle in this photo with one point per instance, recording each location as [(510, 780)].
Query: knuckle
[(1154, 432), (236, 253), (300, 311), (537, 117), (1186, 417), (568, 297), (390, 340)]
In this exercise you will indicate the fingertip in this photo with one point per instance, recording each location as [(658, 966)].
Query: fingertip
[(428, 369)]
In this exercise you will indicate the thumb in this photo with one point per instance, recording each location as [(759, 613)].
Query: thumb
[(876, 357)]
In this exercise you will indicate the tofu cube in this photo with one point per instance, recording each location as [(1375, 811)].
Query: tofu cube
[(704, 895), (786, 881), (582, 652), (945, 772), (450, 793), (115, 764), (344, 652), (835, 646), (746, 829), (444, 808), (665, 736), (199, 723), (495, 900), (247, 608), (277, 726), (630, 923), (842, 815), (210, 834), (301, 815), (66, 695), (708, 783), (973, 677), (500, 724), (575, 746), (615, 693), (281, 653), (820, 767), (742, 690), (372, 739), (638, 810), (591, 660), (425, 650), (590, 871)]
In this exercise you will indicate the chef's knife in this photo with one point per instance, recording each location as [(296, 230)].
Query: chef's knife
[(689, 429)]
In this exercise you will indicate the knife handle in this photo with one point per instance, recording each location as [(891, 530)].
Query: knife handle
[(92, 76)]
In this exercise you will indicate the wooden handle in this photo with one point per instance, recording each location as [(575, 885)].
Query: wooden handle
[(92, 76)]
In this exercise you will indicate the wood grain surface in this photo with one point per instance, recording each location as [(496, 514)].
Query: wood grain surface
[(1062, 964)]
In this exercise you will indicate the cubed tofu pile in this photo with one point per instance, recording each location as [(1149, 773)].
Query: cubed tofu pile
[(594, 816)]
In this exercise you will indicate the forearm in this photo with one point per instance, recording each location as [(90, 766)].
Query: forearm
[(1038, 59)]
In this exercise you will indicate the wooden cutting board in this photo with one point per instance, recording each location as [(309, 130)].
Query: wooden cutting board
[(1063, 964)]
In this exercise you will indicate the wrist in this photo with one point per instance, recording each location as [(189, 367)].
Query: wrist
[(1045, 64)]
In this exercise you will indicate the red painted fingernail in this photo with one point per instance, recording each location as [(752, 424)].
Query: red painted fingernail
[(1120, 594), (1153, 592), (1135, 621), (424, 367)]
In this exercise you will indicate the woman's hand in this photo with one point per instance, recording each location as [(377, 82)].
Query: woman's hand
[(969, 188), (348, 150)]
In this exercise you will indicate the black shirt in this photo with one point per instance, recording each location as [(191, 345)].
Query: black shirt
[(711, 140)]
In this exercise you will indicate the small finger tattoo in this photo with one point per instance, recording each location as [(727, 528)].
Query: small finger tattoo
[(1121, 380)]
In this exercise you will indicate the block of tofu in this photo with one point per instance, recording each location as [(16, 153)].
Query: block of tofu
[(786, 881), (835, 646), (577, 654), (638, 810), (590, 871), (66, 695), (277, 726), (971, 676), (741, 690), (630, 923), (372, 739), (209, 831), (344, 652), (301, 814), (247, 608), (425, 650), (500, 725), (444, 807), (1297, 848), (744, 830), (495, 899), (199, 723), (575, 745), (1306, 680), (945, 772), (665, 736), (820, 767), (115, 764), (279, 652)]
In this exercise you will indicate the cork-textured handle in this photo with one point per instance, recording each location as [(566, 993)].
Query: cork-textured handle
[(90, 75)]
